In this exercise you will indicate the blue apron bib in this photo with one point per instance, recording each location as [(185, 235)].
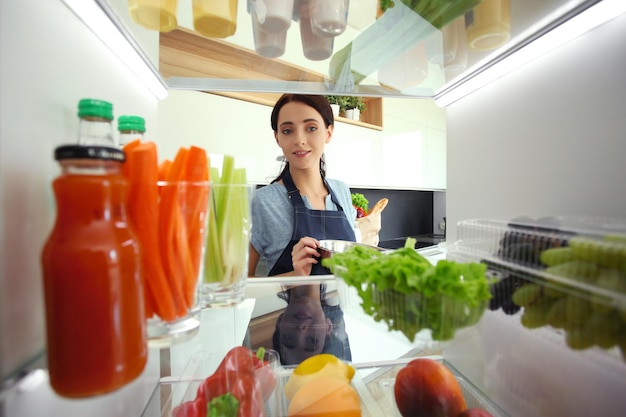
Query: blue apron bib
[(320, 224)]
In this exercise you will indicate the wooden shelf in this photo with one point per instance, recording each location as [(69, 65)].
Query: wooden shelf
[(185, 53)]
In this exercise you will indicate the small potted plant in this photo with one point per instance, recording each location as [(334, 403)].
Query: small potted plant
[(335, 103), (354, 105)]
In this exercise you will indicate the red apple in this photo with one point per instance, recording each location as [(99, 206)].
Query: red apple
[(475, 412), (426, 388)]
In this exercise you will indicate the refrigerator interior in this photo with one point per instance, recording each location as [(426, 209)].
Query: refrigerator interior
[(545, 139)]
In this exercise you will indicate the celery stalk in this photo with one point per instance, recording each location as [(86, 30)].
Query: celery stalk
[(226, 254), (213, 265)]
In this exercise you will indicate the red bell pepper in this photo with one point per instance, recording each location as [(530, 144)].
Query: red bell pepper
[(240, 374), (242, 358), (238, 359), (265, 375), (195, 408)]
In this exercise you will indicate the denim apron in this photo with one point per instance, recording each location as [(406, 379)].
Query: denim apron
[(320, 224)]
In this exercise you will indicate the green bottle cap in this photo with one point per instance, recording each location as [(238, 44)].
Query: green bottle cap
[(89, 107), (134, 123)]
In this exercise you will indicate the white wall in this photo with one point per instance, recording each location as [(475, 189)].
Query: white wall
[(409, 153), (547, 139), (49, 62)]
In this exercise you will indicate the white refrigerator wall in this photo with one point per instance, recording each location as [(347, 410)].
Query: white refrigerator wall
[(49, 61), (549, 138)]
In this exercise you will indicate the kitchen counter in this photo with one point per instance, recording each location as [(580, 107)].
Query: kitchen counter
[(421, 241)]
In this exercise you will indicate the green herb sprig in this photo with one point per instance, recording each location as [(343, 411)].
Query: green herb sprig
[(359, 200)]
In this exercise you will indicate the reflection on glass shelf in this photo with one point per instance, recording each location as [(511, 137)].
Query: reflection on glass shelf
[(396, 54)]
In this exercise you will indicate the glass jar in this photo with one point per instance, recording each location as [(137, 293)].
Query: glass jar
[(92, 278), (95, 126), (130, 128)]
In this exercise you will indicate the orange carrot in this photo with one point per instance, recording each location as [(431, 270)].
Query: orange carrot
[(174, 243), (164, 169), (144, 217), (149, 303), (196, 165), (127, 148), (196, 170)]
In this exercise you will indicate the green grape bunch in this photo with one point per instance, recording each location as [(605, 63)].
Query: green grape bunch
[(582, 290)]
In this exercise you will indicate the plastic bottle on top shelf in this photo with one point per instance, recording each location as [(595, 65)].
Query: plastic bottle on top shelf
[(154, 14), (458, 64), (274, 16), (488, 25), (130, 128), (330, 17), (314, 46), (266, 43), (215, 19)]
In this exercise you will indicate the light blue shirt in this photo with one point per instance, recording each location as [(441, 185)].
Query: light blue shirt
[(273, 217)]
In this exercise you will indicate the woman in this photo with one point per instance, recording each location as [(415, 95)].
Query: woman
[(289, 218), (301, 206), (310, 325)]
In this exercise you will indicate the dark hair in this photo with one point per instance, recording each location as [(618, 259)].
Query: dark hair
[(285, 294), (319, 103), (333, 345)]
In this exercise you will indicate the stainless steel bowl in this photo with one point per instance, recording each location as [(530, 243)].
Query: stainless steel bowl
[(328, 247)]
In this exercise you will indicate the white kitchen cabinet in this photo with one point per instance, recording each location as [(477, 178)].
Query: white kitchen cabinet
[(409, 153)]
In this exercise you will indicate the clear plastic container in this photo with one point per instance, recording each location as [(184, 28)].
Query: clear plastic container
[(315, 47), (274, 16), (488, 25), (455, 39), (567, 274), (380, 389), (157, 15), (267, 44), (373, 382), (215, 19), (330, 18), (172, 391), (410, 316)]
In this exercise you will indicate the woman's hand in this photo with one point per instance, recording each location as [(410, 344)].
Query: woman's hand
[(303, 255)]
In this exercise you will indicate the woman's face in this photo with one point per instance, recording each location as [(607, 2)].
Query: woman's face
[(302, 135), (303, 329)]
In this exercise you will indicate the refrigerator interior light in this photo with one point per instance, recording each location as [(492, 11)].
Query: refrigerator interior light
[(103, 22), (588, 19)]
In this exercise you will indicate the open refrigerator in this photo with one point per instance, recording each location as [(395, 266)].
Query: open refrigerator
[(550, 341), (527, 372)]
